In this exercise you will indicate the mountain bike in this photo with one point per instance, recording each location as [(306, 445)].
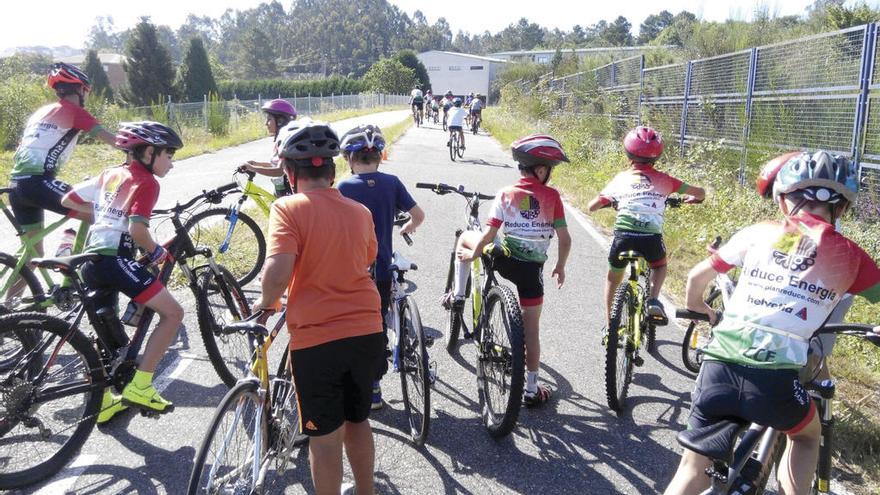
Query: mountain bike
[(476, 120), (698, 334), (53, 372), (445, 117), (410, 348), (20, 288), (436, 114), (256, 425), (417, 115), (497, 326), (234, 236), (630, 327), (455, 147), (744, 467)]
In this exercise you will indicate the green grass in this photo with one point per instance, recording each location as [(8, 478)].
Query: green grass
[(687, 230)]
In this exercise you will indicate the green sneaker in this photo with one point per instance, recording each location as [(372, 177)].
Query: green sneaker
[(145, 398), (111, 404)]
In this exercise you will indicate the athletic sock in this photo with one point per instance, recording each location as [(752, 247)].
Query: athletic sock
[(142, 379), (532, 382), (462, 270)]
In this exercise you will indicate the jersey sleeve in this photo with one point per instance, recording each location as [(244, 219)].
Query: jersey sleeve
[(496, 212), (144, 198), (732, 253), (559, 213), (867, 283), (676, 185), (284, 235), (405, 201), (83, 120), (84, 192), (609, 192)]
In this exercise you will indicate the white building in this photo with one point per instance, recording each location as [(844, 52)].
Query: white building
[(460, 73)]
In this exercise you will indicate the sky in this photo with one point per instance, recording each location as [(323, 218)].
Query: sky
[(61, 22)]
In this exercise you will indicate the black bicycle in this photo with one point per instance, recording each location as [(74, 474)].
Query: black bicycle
[(497, 326), (744, 466), (52, 385)]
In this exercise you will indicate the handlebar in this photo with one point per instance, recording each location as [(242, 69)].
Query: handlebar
[(442, 189), (399, 221), (212, 196)]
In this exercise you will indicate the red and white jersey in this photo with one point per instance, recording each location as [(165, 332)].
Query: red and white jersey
[(528, 214), (50, 137), (641, 194)]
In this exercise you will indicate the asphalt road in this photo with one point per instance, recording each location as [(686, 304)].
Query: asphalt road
[(574, 444)]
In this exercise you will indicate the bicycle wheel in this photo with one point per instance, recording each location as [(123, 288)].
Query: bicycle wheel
[(236, 437), (220, 301), (619, 348), (246, 251), (501, 361), (458, 149), (285, 413), (414, 373), (50, 397), (453, 142), (24, 290), (444, 123), (454, 316), (698, 335)]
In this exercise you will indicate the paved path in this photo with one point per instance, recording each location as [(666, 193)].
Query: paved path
[(573, 445)]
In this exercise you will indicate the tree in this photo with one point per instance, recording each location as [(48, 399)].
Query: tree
[(618, 33), (148, 65), (194, 77), (556, 61), (653, 25), (408, 59), (95, 70), (842, 17), (679, 31), (256, 56), (390, 76)]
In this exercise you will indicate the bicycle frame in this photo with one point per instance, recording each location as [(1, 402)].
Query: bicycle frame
[(638, 268), (260, 196)]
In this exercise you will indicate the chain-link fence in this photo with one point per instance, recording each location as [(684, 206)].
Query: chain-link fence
[(811, 93)]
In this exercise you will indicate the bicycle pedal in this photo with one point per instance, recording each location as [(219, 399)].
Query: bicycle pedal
[(429, 341), (638, 361), (659, 321)]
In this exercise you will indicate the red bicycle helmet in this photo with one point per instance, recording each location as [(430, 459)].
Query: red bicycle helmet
[(765, 180), (537, 149), (643, 144), (63, 73)]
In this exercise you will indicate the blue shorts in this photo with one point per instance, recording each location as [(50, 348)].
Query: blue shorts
[(124, 275), (34, 193)]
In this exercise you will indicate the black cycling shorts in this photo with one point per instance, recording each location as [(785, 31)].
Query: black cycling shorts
[(32, 194), (527, 276), (334, 382), (773, 398), (454, 128), (124, 275), (650, 245)]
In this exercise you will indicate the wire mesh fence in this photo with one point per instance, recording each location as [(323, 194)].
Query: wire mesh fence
[(816, 92)]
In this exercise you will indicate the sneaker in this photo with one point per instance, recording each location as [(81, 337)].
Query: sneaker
[(347, 489), (111, 404), (449, 143), (656, 310), (377, 396), (145, 398), (537, 398)]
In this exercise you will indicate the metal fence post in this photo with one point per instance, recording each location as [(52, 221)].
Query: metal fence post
[(865, 76), (641, 89), (170, 110), (613, 74), (310, 103), (750, 88), (684, 107), (205, 110)]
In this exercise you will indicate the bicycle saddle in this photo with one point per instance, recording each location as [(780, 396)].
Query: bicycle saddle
[(401, 264), (65, 263), (714, 441), (630, 255), (245, 327)]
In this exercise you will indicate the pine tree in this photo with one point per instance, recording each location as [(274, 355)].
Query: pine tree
[(149, 70), (95, 70), (256, 56), (194, 77)]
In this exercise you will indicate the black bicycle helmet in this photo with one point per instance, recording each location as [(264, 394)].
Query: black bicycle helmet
[(306, 139)]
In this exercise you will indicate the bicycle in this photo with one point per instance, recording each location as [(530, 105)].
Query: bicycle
[(445, 117), (417, 115), (233, 235), (52, 364), (497, 326), (409, 348), (477, 119), (697, 336), (746, 468), (455, 147), (256, 422), (630, 326), (436, 114)]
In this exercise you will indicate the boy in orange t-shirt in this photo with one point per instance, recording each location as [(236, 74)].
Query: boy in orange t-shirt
[(321, 246)]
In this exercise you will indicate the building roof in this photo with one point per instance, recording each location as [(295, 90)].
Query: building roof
[(582, 50), (467, 55), (106, 58)]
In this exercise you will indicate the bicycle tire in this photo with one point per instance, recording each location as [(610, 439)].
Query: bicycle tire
[(455, 317), (239, 258), (690, 355), (619, 363), (9, 305), (414, 372), (445, 127), (66, 439), (230, 354), (458, 149), (285, 411), (242, 401), (772, 462), (453, 142), (501, 423)]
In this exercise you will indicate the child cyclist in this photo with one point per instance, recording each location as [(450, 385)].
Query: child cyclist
[(794, 272), (640, 197), (456, 121), (529, 212), (122, 200), (278, 114), (48, 141), (384, 195)]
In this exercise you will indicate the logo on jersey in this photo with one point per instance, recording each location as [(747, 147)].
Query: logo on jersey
[(641, 182), (111, 187), (795, 252), (802, 314), (529, 207), (371, 182)]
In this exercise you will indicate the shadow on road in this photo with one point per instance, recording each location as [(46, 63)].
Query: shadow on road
[(480, 161)]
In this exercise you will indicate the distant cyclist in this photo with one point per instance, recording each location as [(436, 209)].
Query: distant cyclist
[(456, 121), (278, 114), (476, 108), (417, 101), (446, 104)]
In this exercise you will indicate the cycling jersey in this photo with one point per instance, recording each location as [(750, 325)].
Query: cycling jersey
[(476, 105), (119, 195), (456, 116), (416, 97), (446, 103), (528, 213), (641, 194), (50, 137), (793, 274)]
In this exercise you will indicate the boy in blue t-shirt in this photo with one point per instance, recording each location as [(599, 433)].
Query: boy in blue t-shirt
[(384, 195)]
